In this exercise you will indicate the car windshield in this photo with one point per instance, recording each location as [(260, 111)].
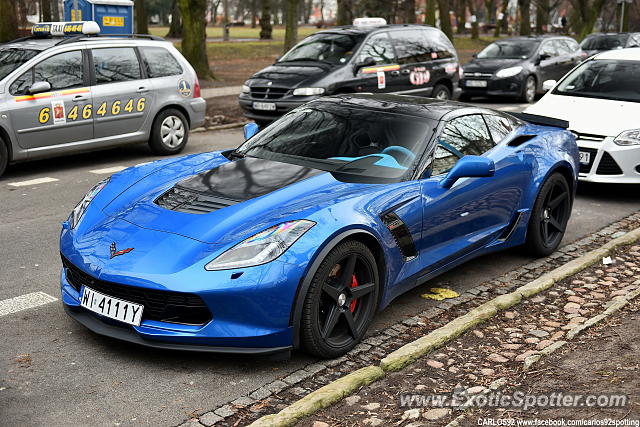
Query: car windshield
[(372, 144), (509, 49), (605, 79), (604, 42), (12, 58), (334, 49)]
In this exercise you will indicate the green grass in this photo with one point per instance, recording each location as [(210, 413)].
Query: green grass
[(467, 43), (245, 32)]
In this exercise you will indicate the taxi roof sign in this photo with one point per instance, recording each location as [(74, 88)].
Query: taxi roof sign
[(369, 22), (60, 29)]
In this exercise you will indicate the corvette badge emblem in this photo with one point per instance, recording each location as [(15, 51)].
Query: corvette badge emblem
[(115, 252)]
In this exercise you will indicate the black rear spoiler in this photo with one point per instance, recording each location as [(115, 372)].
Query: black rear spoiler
[(542, 120)]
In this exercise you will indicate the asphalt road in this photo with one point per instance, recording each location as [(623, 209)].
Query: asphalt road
[(54, 372)]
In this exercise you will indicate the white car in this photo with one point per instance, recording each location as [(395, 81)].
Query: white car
[(600, 99)]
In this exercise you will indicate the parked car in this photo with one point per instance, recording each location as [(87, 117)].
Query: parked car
[(299, 236), (516, 67), (601, 101), (368, 56), (64, 90), (600, 42)]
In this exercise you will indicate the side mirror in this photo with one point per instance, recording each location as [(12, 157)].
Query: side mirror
[(250, 129), (39, 87), (467, 167), (547, 85), (544, 56), (366, 62)]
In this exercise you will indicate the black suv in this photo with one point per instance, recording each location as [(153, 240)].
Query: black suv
[(518, 66), (599, 42), (400, 59)]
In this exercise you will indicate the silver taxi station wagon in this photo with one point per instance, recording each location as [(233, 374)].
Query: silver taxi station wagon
[(65, 89)]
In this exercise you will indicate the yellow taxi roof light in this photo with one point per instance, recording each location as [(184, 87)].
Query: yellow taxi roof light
[(60, 29)]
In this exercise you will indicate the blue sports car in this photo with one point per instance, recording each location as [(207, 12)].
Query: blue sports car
[(299, 236)]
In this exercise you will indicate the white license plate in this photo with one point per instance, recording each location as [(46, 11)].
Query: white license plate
[(585, 157), (266, 106), (113, 308), (476, 83)]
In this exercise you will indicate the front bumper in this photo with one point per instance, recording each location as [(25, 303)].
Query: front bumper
[(197, 111), (510, 86), (609, 162)]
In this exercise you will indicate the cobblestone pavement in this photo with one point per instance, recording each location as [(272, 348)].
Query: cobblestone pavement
[(282, 392)]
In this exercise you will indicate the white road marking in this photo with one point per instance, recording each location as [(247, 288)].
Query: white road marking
[(108, 170), (24, 302), (33, 182)]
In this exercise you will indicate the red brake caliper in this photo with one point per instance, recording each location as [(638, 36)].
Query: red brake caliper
[(354, 283)]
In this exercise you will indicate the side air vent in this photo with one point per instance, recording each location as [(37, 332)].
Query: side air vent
[(183, 200), (401, 235), (520, 139)]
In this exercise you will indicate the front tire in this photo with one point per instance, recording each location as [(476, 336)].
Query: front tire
[(341, 301), (529, 90), (549, 217), (170, 132), (441, 92)]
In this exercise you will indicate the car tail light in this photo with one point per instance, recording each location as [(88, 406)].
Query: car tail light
[(196, 89)]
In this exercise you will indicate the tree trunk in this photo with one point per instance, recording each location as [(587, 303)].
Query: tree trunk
[(525, 17), (175, 29), (291, 32), (55, 11), (8, 21), (445, 20), (410, 11), (46, 10), (585, 14), (475, 32), (254, 13), (265, 21), (541, 16), (501, 22), (225, 20), (194, 41), (461, 16), (345, 11), (142, 25), (430, 14)]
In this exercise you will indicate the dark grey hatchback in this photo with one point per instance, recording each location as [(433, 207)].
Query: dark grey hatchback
[(518, 66)]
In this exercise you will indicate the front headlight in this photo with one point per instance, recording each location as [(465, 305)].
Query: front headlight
[(509, 72), (80, 209), (246, 89), (263, 247), (628, 137), (308, 91)]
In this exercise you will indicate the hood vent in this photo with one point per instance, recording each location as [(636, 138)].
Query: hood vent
[(188, 201)]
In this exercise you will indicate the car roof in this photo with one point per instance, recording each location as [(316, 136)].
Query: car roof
[(628, 54), (354, 30), (44, 43), (430, 108)]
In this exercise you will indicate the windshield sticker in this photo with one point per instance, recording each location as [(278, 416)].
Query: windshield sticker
[(371, 70), (382, 81), (419, 76), (59, 115)]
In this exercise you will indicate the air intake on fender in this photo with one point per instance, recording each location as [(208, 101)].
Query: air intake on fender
[(401, 235)]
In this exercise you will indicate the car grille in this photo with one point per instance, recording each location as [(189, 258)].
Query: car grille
[(592, 156), (268, 92), (608, 166), (478, 75), (183, 200), (588, 136), (162, 306)]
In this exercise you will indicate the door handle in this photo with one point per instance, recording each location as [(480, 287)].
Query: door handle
[(142, 89), (406, 71), (80, 98), (395, 73)]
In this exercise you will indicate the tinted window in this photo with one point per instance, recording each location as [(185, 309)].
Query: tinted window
[(604, 42), (379, 48), (116, 65), (159, 62), (499, 126), (324, 47), (466, 135), (443, 45), (412, 47), (62, 71), (549, 48), (21, 85), (509, 49), (11, 59)]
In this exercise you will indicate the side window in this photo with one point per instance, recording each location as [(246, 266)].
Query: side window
[(159, 62), (116, 65), (634, 41), (411, 46), (562, 47), (443, 46), (62, 71), (499, 126), (548, 49), (466, 135), (379, 48), (21, 85), (573, 45)]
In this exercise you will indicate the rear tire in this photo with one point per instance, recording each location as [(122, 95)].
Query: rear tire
[(441, 92), (170, 132), (341, 301), (4, 156), (549, 217)]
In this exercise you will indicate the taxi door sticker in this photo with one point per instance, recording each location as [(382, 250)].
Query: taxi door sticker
[(419, 76), (59, 115), (184, 88), (382, 81)]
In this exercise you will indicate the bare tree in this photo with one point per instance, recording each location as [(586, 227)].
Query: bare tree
[(175, 29), (584, 16), (502, 22), (430, 13), (525, 17), (291, 32), (475, 33), (265, 21), (8, 21), (142, 25), (461, 16), (410, 11), (194, 41), (345, 12), (445, 20), (254, 13), (46, 10), (225, 20)]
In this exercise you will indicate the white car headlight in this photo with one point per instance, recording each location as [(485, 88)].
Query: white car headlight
[(246, 89), (81, 208), (509, 72), (263, 247), (308, 91), (628, 137)]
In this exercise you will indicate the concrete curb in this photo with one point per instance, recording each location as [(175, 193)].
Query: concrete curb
[(219, 127), (407, 354), (321, 398)]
